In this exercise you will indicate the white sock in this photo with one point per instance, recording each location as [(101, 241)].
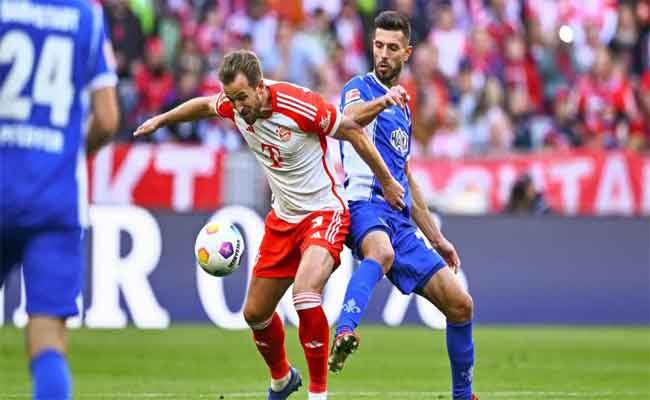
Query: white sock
[(279, 384), (318, 396)]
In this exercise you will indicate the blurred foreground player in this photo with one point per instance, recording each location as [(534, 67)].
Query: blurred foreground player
[(53, 54), (286, 126), (386, 239)]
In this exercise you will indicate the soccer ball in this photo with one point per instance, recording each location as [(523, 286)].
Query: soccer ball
[(218, 248)]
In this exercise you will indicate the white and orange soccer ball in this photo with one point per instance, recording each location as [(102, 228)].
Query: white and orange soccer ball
[(218, 248)]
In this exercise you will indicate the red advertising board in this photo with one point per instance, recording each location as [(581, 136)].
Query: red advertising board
[(185, 178)]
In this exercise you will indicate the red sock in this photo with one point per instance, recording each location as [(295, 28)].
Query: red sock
[(269, 339), (314, 337)]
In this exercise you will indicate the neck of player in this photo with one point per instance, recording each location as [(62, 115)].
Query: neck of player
[(267, 107)]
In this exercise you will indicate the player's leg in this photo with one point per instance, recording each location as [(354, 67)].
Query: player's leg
[(445, 292), (274, 271), (322, 242), (315, 268), (378, 256), (264, 294), (53, 271)]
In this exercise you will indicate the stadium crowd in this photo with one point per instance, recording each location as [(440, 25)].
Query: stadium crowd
[(486, 77)]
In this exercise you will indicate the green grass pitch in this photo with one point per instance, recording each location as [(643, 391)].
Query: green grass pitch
[(204, 362)]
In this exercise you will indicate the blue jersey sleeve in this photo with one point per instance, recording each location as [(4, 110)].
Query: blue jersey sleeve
[(355, 91), (101, 63)]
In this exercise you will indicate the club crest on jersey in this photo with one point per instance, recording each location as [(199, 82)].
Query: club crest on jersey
[(352, 95), (284, 134), (400, 140), (325, 121)]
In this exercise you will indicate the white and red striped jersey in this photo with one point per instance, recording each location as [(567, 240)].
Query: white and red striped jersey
[(291, 146)]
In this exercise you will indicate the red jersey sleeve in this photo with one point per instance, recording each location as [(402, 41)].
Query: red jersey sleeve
[(223, 107), (310, 111)]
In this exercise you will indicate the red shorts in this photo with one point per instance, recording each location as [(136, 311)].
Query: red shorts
[(283, 243)]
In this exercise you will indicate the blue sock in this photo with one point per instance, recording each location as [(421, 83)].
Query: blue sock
[(51, 376), (461, 355), (358, 293)]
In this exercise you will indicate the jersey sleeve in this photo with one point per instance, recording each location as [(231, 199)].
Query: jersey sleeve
[(101, 61), (310, 110), (355, 91), (223, 107)]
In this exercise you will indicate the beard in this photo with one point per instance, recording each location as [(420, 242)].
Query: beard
[(388, 74), (253, 113)]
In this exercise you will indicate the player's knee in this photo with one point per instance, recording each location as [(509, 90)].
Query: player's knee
[(384, 256), (254, 316), (462, 309)]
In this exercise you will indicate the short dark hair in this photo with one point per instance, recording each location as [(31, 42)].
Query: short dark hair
[(240, 61), (394, 21)]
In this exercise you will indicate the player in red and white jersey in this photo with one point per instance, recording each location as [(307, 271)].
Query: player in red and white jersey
[(286, 126)]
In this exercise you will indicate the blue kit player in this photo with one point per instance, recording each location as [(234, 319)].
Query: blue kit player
[(53, 68), (385, 238)]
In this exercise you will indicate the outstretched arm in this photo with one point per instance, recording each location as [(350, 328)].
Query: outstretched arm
[(352, 132), (364, 112), (191, 110), (424, 221)]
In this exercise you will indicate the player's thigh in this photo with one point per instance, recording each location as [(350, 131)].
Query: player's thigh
[(316, 266), (376, 245), (263, 297), (53, 268), (44, 332), (415, 262), (322, 236), (445, 291)]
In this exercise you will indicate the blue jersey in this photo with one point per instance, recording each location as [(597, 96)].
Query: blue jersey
[(391, 134), (52, 53)]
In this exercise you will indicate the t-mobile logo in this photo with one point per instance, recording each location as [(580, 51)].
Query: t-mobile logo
[(274, 154), (351, 307)]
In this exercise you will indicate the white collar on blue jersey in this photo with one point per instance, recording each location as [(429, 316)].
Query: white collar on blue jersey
[(373, 76)]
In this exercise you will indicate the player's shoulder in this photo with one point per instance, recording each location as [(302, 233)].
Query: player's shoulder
[(361, 82), (287, 90)]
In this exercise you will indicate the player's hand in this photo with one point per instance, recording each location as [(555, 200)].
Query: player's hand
[(149, 126), (393, 193), (396, 96), (448, 252)]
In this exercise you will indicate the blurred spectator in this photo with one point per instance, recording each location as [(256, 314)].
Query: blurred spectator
[(491, 132), (350, 36), (626, 39), (448, 40), (606, 103), (186, 89), (585, 52), (448, 140), (520, 70), (483, 54), (126, 36), (153, 82), (520, 110), (295, 57), (562, 131), (503, 20), (506, 75), (430, 95), (524, 199)]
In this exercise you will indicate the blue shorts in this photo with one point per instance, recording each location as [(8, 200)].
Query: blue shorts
[(52, 262), (415, 262)]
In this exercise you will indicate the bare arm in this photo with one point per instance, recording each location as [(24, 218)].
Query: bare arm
[(423, 219), (191, 110), (104, 118), (352, 132), (363, 113)]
